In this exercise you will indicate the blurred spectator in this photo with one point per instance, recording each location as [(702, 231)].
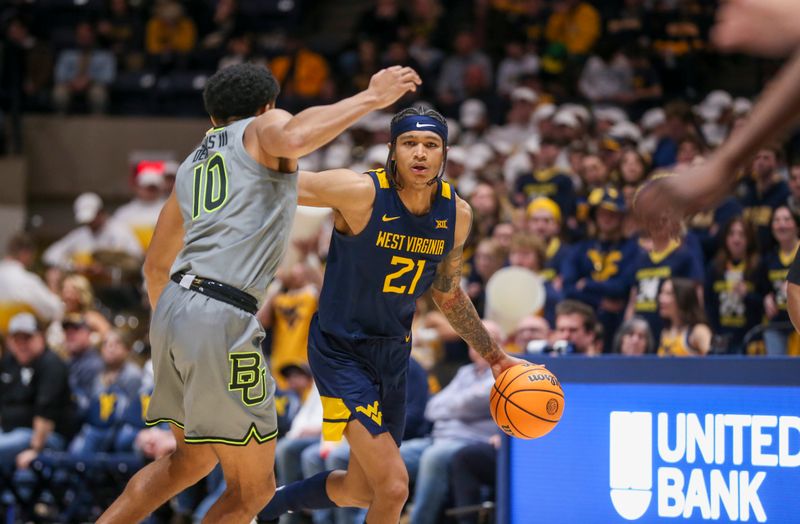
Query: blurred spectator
[(97, 232), (634, 338), (240, 50), (78, 298), (359, 68), (532, 335), (627, 24), (306, 427), (34, 396), (772, 279), (85, 70), (679, 123), (487, 260), (83, 359), (607, 77), (733, 305), (598, 272), (486, 207), (764, 192), (474, 119), (545, 179), (519, 60), (685, 332), (473, 467), (793, 201), (169, 33), (227, 23), (576, 325), (141, 213), (460, 416), (451, 88), (287, 310), (652, 267), (385, 23), (26, 75), (116, 385), (22, 290), (647, 86), (303, 74), (572, 30), (544, 221), (120, 29), (679, 36)]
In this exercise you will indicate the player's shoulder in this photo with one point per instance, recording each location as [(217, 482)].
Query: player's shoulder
[(463, 220)]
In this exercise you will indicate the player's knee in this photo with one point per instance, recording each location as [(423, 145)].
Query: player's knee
[(393, 489), (252, 494)]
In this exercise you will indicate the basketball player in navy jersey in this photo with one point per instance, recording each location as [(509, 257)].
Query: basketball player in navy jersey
[(397, 233)]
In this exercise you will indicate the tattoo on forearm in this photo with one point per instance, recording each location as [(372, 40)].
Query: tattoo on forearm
[(462, 315), (458, 308)]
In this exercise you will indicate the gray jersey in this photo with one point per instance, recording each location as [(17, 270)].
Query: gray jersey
[(237, 213)]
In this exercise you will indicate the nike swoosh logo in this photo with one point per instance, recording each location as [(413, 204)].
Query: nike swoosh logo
[(389, 219), (425, 125)]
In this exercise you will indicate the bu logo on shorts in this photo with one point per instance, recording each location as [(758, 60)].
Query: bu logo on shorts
[(249, 376)]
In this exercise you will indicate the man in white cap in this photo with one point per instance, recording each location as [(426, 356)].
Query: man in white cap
[(474, 121), (35, 405), (141, 213), (97, 232)]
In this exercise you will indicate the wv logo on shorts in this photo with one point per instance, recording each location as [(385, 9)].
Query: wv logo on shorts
[(372, 411), (249, 376), (631, 462)]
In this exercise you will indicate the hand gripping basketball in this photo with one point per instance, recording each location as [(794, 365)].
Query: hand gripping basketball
[(526, 401)]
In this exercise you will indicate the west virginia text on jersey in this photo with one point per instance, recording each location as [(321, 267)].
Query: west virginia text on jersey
[(373, 279)]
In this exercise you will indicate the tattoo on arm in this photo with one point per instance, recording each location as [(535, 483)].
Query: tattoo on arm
[(458, 309)]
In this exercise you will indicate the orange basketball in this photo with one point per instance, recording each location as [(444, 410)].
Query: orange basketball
[(526, 401)]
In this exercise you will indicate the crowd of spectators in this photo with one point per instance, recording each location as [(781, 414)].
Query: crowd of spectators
[(558, 111)]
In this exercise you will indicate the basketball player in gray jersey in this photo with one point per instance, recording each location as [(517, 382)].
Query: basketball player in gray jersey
[(218, 241)]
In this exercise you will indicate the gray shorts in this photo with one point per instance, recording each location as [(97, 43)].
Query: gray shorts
[(211, 378)]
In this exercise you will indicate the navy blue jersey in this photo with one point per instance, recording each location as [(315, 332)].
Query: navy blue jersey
[(549, 183), (652, 269), (772, 277), (372, 279), (604, 266), (758, 208), (732, 303)]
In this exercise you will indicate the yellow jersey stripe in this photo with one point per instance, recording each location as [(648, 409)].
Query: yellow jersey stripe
[(446, 191), (383, 181)]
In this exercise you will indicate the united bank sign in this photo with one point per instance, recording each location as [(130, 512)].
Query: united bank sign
[(659, 454), (687, 465)]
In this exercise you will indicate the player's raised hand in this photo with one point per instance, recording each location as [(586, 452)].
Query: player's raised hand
[(762, 27), (390, 84)]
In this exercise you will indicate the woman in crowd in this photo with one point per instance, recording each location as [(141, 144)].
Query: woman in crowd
[(732, 304), (686, 332)]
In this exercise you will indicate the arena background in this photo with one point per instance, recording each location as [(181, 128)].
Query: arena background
[(509, 76)]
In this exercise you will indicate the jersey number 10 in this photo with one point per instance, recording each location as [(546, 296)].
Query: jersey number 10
[(210, 185), (408, 266)]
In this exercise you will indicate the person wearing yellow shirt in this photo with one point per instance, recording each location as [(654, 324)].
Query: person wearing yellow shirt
[(288, 311), (574, 24)]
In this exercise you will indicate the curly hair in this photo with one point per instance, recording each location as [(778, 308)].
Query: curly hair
[(239, 91), (391, 166)]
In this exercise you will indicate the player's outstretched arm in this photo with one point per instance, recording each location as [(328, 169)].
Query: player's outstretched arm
[(705, 185), (285, 136), (340, 189), (164, 248), (456, 305)]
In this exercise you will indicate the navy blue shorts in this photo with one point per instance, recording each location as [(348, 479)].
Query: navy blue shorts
[(363, 380)]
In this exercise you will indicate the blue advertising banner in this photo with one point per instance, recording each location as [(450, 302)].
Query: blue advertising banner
[(657, 453)]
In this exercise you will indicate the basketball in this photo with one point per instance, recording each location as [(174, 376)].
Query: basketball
[(526, 401)]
